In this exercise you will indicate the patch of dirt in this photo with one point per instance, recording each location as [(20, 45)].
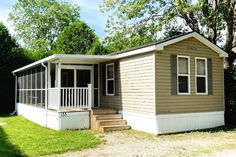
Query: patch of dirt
[(225, 153), (134, 144)]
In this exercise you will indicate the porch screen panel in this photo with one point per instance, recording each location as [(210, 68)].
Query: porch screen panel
[(25, 88), (38, 87), (31, 87), (29, 93), (19, 87), (43, 87), (52, 73)]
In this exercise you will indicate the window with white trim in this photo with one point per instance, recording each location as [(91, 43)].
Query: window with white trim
[(183, 75), (110, 90), (201, 75)]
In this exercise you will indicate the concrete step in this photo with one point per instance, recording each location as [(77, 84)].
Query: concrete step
[(114, 128), (111, 122), (107, 117), (102, 111)]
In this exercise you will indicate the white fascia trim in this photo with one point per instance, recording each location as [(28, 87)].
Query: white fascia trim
[(35, 63), (78, 56), (65, 56), (222, 53), (160, 47), (137, 51)]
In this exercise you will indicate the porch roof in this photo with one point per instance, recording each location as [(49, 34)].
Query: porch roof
[(69, 58)]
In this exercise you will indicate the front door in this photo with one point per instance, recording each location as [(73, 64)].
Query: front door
[(74, 80), (77, 77), (67, 78), (83, 77)]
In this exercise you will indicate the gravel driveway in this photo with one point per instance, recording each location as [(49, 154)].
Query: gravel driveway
[(137, 144)]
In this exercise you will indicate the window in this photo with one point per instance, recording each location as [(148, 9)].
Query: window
[(183, 78), (201, 75), (110, 79)]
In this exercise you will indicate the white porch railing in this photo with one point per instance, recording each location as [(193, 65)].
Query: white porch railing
[(53, 98), (70, 98)]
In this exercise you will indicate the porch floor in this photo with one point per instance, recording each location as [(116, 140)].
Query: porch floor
[(69, 110), (97, 110)]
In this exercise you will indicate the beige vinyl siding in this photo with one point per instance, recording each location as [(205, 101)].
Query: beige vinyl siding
[(136, 85), (167, 103)]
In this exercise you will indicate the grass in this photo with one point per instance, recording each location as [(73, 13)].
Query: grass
[(20, 137)]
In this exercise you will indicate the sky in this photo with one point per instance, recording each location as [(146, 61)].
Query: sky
[(89, 12)]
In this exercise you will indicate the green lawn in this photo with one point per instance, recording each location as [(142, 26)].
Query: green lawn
[(20, 137)]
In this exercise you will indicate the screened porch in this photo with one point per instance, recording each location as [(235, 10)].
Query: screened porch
[(61, 82), (73, 86)]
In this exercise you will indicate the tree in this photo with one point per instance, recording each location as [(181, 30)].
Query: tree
[(11, 58), (230, 18), (208, 17), (38, 22), (79, 38)]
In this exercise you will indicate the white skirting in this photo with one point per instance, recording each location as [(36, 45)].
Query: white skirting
[(53, 119), (170, 123), (142, 122)]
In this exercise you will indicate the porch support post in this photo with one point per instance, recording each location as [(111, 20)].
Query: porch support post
[(15, 94), (45, 91), (16, 83), (59, 83), (89, 96), (49, 75)]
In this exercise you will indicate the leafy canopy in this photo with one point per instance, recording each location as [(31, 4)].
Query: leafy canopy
[(135, 22), (38, 22), (11, 57), (78, 38)]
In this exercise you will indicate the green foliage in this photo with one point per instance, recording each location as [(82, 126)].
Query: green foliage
[(78, 38), (126, 38), (129, 25), (39, 22), (11, 57), (7, 43), (20, 137), (136, 22), (173, 30)]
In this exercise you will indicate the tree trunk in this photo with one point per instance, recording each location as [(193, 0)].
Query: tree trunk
[(230, 33), (212, 28)]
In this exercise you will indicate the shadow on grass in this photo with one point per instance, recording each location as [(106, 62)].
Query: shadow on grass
[(7, 149)]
